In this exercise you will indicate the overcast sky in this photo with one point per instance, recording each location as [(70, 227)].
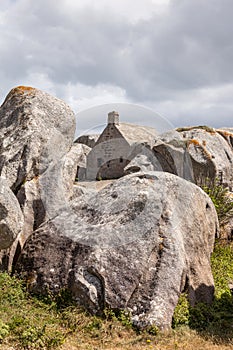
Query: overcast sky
[(173, 56)]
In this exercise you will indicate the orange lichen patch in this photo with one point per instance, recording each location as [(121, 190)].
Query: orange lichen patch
[(193, 142), (35, 178), (196, 143), (230, 195), (224, 132), (22, 89), (19, 90), (207, 154)]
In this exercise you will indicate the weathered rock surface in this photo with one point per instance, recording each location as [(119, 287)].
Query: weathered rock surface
[(230, 130), (88, 140), (172, 155), (36, 132), (134, 244), (226, 230), (74, 166), (141, 158), (11, 217), (211, 152), (140, 163), (32, 123)]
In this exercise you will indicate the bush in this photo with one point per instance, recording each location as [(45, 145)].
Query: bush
[(181, 314), (220, 197)]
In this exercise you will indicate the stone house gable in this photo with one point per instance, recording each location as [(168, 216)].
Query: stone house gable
[(113, 149), (109, 133)]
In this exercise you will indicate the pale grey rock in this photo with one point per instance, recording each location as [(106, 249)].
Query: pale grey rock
[(230, 130), (74, 166), (36, 132), (34, 214), (227, 134), (141, 158), (134, 244), (226, 230), (211, 152), (140, 163), (171, 152), (34, 127), (11, 217), (199, 154)]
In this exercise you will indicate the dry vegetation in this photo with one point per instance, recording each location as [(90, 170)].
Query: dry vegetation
[(201, 127), (27, 322)]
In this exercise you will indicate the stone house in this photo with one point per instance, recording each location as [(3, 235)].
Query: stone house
[(117, 145)]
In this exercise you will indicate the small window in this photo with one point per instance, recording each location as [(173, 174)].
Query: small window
[(121, 159)]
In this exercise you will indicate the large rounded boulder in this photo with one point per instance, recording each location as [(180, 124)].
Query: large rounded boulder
[(36, 132), (211, 151), (134, 244), (32, 123)]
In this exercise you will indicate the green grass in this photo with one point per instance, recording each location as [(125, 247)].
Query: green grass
[(34, 322), (29, 322), (215, 320)]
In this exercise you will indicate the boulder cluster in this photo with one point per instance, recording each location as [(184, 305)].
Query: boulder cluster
[(133, 243)]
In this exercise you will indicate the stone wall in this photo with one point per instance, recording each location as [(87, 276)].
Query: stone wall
[(109, 156)]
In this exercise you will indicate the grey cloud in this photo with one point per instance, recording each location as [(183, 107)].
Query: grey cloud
[(155, 60), (192, 49)]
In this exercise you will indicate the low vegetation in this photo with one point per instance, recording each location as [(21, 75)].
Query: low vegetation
[(29, 322), (201, 127), (221, 198), (215, 320)]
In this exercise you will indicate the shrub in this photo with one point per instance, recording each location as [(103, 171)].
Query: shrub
[(181, 314), (221, 199)]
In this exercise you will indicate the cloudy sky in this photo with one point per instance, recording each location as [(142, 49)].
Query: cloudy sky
[(172, 56)]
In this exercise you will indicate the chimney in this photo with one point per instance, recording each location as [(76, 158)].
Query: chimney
[(113, 118)]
